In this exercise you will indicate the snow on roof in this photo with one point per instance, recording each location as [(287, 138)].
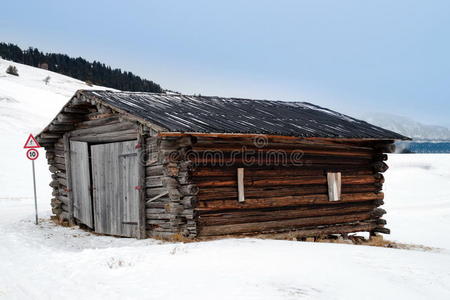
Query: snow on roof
[(183, 113)]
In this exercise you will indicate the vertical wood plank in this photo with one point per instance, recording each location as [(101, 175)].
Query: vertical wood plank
[(142, 158), (334, 186), (240, 176), (68, 176), (81, 182), (129, 181)]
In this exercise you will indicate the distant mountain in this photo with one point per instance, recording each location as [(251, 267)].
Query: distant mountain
[(91, 72), (408, 127)]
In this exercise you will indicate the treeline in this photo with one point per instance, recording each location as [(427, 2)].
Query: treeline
[(91, 72)]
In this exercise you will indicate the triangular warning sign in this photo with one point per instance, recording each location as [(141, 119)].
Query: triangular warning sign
[(31, 142)]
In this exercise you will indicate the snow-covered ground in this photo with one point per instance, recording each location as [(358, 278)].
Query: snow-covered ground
[(53, 262), (49, 261)]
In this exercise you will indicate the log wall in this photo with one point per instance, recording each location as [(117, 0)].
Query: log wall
[(285, 184), (169, 207)]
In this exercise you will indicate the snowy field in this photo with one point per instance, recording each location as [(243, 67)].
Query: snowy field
[(53, 262), (49, 262)]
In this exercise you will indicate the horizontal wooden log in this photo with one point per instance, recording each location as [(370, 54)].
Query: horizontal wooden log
[(115, 136), (98, 115), (53, 169), (382, 230), (266, 192), (385, 148), (268, 141), (319, 231), (159, 216), (63, 199), (189, 189), (288, 181), (60, 128), (46, 141), (54, 183), (380, 166), (103, 129), (251, 216), (51, 136), (111, 119), (224, 172), (282, 224), (151, 192), (57, 210), (154, 170), (218, 159), (75, 110), (284, 201), (176, 143), (278, 172), (274, 149), (154, 181), (61, 167), (155, 204), (64, 216)]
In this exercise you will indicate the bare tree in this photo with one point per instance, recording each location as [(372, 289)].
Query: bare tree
[(47, 80)]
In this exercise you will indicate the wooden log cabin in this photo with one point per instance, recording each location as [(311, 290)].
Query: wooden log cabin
[(165, 165)]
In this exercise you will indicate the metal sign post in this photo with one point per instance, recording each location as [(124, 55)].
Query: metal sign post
[(35, 197), (32, 154)]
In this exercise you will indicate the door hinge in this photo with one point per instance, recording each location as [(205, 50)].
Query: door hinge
[(129, 223)]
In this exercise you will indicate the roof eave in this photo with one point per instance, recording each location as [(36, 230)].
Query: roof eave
[(249, 135)]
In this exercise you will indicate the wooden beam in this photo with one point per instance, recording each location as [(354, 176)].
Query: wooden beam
[(157, 197), (253, 135), (291, 224), (334, 186), (141, 173), (240, 181), (68, 176)]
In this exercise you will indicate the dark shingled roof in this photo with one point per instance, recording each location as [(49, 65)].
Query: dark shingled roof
[(182, 113)]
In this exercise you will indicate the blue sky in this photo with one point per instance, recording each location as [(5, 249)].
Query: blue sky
[(351, 56)]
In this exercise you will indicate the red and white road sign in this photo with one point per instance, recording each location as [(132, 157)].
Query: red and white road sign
[(31, 142), (32, 154)]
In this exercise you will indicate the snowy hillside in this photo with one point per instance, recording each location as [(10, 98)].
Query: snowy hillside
[(27, 104), (408, 127)]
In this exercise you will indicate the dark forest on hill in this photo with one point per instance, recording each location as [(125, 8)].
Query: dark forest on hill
[(91, 72)]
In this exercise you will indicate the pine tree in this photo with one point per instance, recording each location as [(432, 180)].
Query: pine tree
[(95, 72)]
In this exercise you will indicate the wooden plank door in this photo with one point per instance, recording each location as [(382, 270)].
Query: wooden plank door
[(115, 178), (81, 183)]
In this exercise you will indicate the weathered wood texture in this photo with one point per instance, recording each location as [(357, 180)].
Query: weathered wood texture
[(189, 184), (81, 121), (81, 183), (285, 184), (115, 195), (169, 209)]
